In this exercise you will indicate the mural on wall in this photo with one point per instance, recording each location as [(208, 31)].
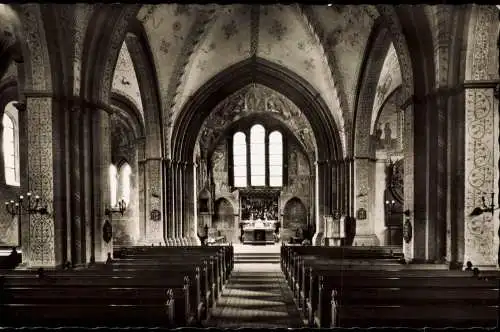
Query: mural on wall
[(256, 98), (295, 217), (219, 170), (388, 128), (223, 221), (299, 175)]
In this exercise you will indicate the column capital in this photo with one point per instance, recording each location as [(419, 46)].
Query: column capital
[(77, 102)]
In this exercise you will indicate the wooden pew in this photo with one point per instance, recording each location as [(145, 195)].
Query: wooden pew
[(200, 299), (287, 252), (174, 276), (345, 284), (459, 315), (405, 291), (33, 301), (228, 250), (290, 254), (225, 255), (212, 273), (150, 268)]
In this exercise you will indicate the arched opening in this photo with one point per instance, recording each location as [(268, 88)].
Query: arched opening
[(223, 222), (295, 217), (113, 185), (10, 147), (327, 191)]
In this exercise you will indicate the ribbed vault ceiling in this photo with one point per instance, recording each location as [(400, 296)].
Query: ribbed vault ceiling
[(192, 43)]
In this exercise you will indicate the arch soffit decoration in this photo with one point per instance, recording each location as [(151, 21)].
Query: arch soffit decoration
[(399, 40), (142, 59), (376, 51), (126, 111), (482, 37), (252, 101), (263, 72), (393, 96), (102, 49), (34, 60)]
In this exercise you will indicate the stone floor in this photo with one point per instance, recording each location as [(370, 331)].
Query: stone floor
[(256, 296)]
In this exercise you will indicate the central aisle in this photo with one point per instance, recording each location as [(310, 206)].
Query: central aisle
[(257, 294)]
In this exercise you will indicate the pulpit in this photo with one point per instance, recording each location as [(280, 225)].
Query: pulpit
[(334, 230)]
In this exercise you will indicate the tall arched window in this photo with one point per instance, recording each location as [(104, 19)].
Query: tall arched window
[(240, 159), (275, 159), (265, 167), (258, 156), (125, 173), (113, 184), (11, 144)]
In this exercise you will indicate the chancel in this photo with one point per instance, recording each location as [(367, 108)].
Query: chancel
[(249, 165)]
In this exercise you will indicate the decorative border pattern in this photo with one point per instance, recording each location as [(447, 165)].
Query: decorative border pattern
[(41, 250)]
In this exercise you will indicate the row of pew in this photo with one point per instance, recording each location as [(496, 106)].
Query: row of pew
[(146, 287), (370, 287)]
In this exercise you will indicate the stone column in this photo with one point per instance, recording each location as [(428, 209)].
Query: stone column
[(189, 200), (177, 199), (193, 227), (154, 228), (44, 231), (481, 171), (143, 217), (102, 161), (173, 201), (167, 199), (182, 199), (74, 163), (364, 197), (324, 197)]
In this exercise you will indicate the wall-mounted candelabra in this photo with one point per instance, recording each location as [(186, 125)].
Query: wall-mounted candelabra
[(31, 204), (120, 207), (479, 210)]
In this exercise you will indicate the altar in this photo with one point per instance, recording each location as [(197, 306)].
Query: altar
[(258, 231), (259, 222)]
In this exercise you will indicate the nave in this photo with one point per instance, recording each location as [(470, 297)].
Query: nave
[(257, 294)]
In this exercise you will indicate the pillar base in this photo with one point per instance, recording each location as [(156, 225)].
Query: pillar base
[(366, 240), (317, 239), (193, 237)]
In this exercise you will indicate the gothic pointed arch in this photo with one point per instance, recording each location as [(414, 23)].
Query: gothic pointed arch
[(102, 49), (260, 71)]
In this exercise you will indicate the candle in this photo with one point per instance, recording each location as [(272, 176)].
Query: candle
[(37, 197), (21, 197), (28, 194)]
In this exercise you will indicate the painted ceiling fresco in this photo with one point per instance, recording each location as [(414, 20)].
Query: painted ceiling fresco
[(324, 45), (125, 79)]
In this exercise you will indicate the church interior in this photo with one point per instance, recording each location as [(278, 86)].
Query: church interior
[(245, 165)]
